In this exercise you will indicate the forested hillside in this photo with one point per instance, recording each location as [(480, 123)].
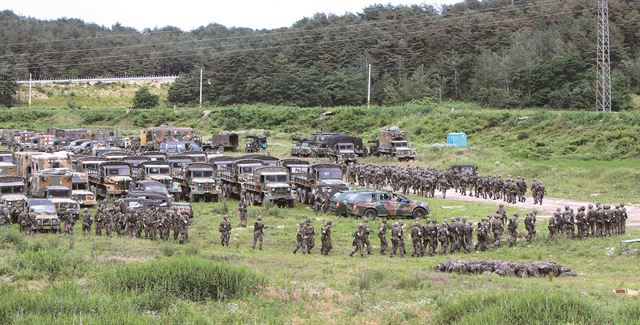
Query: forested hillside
[(536, 53)]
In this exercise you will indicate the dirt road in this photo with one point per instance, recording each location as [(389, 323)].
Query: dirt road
[(548, 206)]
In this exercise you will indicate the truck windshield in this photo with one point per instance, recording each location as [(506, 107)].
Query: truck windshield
[(330, 174), (118, 171), (201, 173), (158, 170), (11, 189), (58, 193), (400, 144), (275, 178), (345, 147), (50, 209), (79, 186)]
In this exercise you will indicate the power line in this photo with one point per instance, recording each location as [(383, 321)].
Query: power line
[(435, 18), (603, 60), (21, 67)]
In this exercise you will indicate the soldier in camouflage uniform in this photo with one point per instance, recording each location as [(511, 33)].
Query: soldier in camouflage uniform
[(482, 234), (513, 230), (591, 220), (599, 220), (358, 241), (365, 235), (431, 232), (258, 233), (326, 239), (581, 221), (443, 237), (623, 219), (553, 224), (416, 239), (382, 234), (309, 237), (242, 211), (396, 234), (184, 229), (498, 229), (86, 222), (300, 238), (467, 235), (530, 225), (225, 231)]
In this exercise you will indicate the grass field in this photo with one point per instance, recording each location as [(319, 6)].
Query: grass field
[(586, 156), (59, 279)]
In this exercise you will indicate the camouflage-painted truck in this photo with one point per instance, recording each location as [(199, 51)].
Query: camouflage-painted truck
[(198, 182), (235, 174), (392, 142), (55, 185), (160, 171), (319, 178), (109, 178), (45, 212), (268, 184)]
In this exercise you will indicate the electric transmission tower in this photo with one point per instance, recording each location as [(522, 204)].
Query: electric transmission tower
[(603, 86)]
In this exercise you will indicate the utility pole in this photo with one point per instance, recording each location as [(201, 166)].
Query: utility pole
[(603, 67), (200, 88), (29, 90), (369, 88)]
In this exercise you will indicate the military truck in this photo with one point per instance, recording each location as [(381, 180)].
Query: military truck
[(236, 173), (80, 190), (152, 137), (196, 156), (228, 141), (43, 179), (161, 172), (220, 163), (392, 142), (198, 182), (296, 167), (255, 143), (319, 178), (46, 216), (68, 134), (22, 160), (301, 148), (266, 160), (342, 153), (110, 178), (85, 163), (136, 165), (178, 147), (177, 162), (334, 142), (116, 155), (268, 184), (155, 155), (50, 161), (60, 196), (12, 191)]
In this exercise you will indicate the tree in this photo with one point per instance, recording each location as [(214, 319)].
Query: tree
[(8, 88), (144, 99)]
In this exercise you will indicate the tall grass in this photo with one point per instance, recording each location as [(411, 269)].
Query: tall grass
[(36, 262), (520, 307), (186, 278)]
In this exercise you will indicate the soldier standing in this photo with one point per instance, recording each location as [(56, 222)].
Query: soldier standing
[(365, 235), (86, 222), (591, 220), (401, 245), (242, 211), (513, 230), (623, 218), (599, 220), (309, 237), (225, 231), (467, 235), (482, 233), (184, 229), (581, 221), (431, 233), (502, 213), (530, 225), (382, 234), (300, 238), (416, 239), (395, 240), (498, 229), (258, 233), (443, 237), (553, 224), (326, 239), (358, 241)]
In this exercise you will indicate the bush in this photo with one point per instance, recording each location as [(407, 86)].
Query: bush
[(10, 235), (186, 278), (144, 99), (48, 262), (532, 307)]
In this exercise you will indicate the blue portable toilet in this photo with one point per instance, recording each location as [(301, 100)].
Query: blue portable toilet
[(457, 139)]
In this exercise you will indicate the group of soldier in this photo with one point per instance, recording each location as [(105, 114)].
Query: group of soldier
[(258, 229), (600, 220), (456, 234), (425, 181)]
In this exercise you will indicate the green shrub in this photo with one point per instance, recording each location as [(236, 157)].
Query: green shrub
[(144, 99), (186, 278), (530, 307), (9, 235), (48, 262)]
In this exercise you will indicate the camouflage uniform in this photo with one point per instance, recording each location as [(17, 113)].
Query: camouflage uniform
[(326, 239), (242, 211), (395, 240), (225, 231), (432, 237), (358, 242), (300, 238), (443, 237), (530, 225), (86, 222), (365, 235), (498, 229), (309, 237), (416, 239), (258, 233), (382, 234), (591, 220), (513, 230)]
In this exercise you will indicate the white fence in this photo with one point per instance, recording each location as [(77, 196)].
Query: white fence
[(103, 79)]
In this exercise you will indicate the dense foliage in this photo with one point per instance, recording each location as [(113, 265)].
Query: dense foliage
[(8, 88), (538, 53), (144, 99)]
